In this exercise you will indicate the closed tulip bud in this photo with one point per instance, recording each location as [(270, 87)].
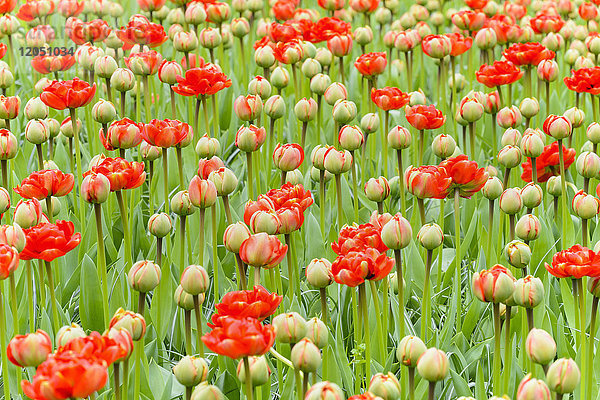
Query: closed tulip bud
[(433, 365), (190, 371), (289, 327), (66, 127), (588, 165), (593, 132), (9, 145), (260, 372), (265, 221), (306, 109), (547, 70), (104, 112), (209, 38), (335, 92), (36, 109), (169, 71), (185, 300), (509, 156), (318, 273), (443, 146), (134, 323), (459, 82), (40, 85), (306, 356), (105, 66), (558, 127), (29, 350), (181, 203), (275, 107), (430, 236), (4, 200), (494, 285), (149, 152), (67, 333), (204, 391), (122, 80), (317, 156), (532, 195), (399, 138), (144, 276), (377, 189), (594, 283), (511, 137), (509, 117), (6, 78), (317, 332), (240, 27), (187, 42), (385, 386), (315, 175), (337, 161), (160, 225), (528, 227), (95, 188), (311, 68), (553, 186), (280, 78), (585, 205), (325, 391), (529, 292), (576, 116), (235, 234), (37, 131), (225, 181), (470, 109), (532, 145), (319, 84), (485, 39), (202, 192), (533, 389), (563, 376), (529, 107), (369, 123), (28, 213), (351, 138), (261, 87), (264, 57), (250, 138), (247, 108), (288, 157), (409, 350), (511, 201), (396, 234), (195, 280), (55, 207), (540, 346), (207, 147), (344, 111)]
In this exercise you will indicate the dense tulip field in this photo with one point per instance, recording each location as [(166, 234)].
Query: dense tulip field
[(299, 199)]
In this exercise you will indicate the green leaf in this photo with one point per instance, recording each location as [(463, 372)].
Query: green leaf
[(90, 300)]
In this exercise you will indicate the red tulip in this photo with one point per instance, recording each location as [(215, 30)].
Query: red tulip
[(469, 20), (33, 9), (584, 80), (355, 267), (202, 81), (466, 175), (288, 195), (70, 8), (9, 107), (364, 6), (283, 32), (166, 133), (144, 63), (50, 64), (547, 164), (424, 117), (240, 337), (7, 6), (364, 396), (140, 30), (122, 134), (371, 64), (283, 10), (527, 53), (49, 241), (356, 238), (587, 11), (262, 250), (206, 166), (91, 31), (499, 73), (460, 43), (257, 303), (68, 94), (575, 262), (29, 350), (9, 260), (288, 52), (389, 98), (151, 5), (121, 173), (43, 184), (544, 23), (427, 182)]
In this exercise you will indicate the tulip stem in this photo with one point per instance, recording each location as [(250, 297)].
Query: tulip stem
[(338, 189), (102, 261), (421, 146), (249, 389), (182, 219), (322, 201), (30, 296), (188, 332), (582, 317), (426, 318), (250, 181), (227, 209), (380, 334), (457, 257), (421, 204), (180, 167), (73, 114), (488, 256), (198, 312), (411, 383), (55, 321), (123, 99), (362, 299), (3, 345), (291, 268), (592, 338), (116, 377), (139, 346), (431, 392), (205, 111), (126, 232), (201, 243), (324, 309), (472, 139), (402, 189), (256, 275), (15, 315), (398, 259), (354, 187), (497, 333), (147, 100), (507, 349), (40, 155), (241, 273), (384, 142), (141, 303), (563, 188), (534, 169), (215, 260)]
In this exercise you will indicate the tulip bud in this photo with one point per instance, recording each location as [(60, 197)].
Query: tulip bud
[(261, 87), (122, 80), (337, 162), (190, 371), (149, 152), (588, 165), (511, 201), (558, 127), (533, 389), (306, 356), (144, 276), (318, 273), (187, 42), (319, 83), (104, 112), (385, 386), (344, 111), (351, 138), (160, 225), (105, 66), (311, 67), (195, 280), (134, 323), (67, 333), (377, 190), (470, 109), (36, 109), (409, 351), (169, 71), (529, 292), (396, 233), (553, 186), (264, 58), (95, 188), (28, 213), (181, 203), (275, 107), (29, 350), (540, 347), (529, 107), (532, 195), (593, 132), (259, 371), (369, 123), (511, 137), (528, 227), (185, 300), (430, 236), (6, 78), (324, 391), (335, 92), (509, 117), (37, 131), (207, 147), (289, 327), (317, 332), (240, 27), (247, 108), (280, 78), (563, 376), (532, 145), (40, 85), (288, 157), (494, 285), (205, 391), (225, 181), (547, 70), (575, 116), (399, 138), (235, 234), (509, 156), (306, 109), (585, 205), (433, 365), (443, 146)]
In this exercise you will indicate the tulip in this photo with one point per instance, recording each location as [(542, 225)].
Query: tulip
[(531, 388), (306, 356), (259, 371), (433, 366), (540, 347), (144, 276), (563, 376), (29, 350)]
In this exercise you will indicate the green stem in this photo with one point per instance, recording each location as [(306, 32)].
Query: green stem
[(213, 221), (563, 188), (3, 345), (354, 187), (165, 164), (182, 219), (30, 308), (590, 366), (215, 121), (402, 189), (322, 201), (249, 389), (205, 111), (102, 262), (380, 334), (201, 243), (147, 100), (188, 332), (180, 167), (15, 315), (125, 390), (126, 231), (457, 256), (411, 383), (73, 114), (117, 388), (426, 322), (338, 189), (139, 346), (497, 333), (227, 209), (472, 139), (507, 349), (250, 180), (400, 278), (362, 295), (55, 320), (488, 256), (582, 317)]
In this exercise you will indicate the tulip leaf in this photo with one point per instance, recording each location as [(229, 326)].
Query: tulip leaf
[(90, 299)]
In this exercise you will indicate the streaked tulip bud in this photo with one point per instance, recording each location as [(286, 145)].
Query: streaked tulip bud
[(134, 323), (532, 195), (95, 188), (529, 107), (280, 78), (160, 225), (511, 201), (306, 109), (247, 108), (104, 112), (67, 333), (511, 137), (509, 117), (169, 71), (318, 273), (289, 327), (377, 189), (324, 391), (433, 365), (558, 127), (443, 146), (122, 80), (36, 109), (261, 87), (369, 123), (540, 346), (240, 27), (528, 227), (576, 116), (385, 386), (337, 161), (430, 236), (29, 350), (187, 42), (265, 221), (494, 285), (181, 203), (470, 109), (563, 376), (195, 280), (529, 292), (190, 371), (4, 200), (207, 147), (335, 92), (264, 57), (205, 391), (149, 152), (235, 234), (588, 165), (311, 67), (593, 132), (28, 213), (344, 111), (225, 181), (144, 276), (485, 39), (259, 371), (585, 205), (399, 138), (533, 389), (195, 14), (409, 350), (250, 138), (202, 192), (351, 138), (185, 300), (509, 156), (532, 145), (396, 234), (9, 145), (306, 356), (319, 84), (13, 235), (37, 131), (547, 70), (317, 332), (288, 157), (105, 66), (275, 107), (6, 78)]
